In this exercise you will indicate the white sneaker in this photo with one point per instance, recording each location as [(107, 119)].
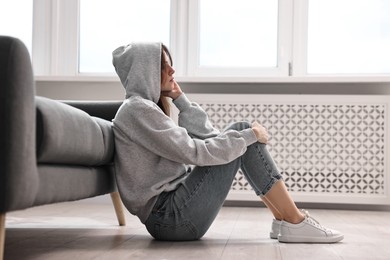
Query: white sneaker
[(308, 231), (275, 229)]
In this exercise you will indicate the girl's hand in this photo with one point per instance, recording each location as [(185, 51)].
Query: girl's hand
[(174, 93), (260, 132)]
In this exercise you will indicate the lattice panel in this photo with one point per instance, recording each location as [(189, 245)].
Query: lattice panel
[(319, 147)]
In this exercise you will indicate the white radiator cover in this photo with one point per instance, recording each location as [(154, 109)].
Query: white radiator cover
[(329, 148)]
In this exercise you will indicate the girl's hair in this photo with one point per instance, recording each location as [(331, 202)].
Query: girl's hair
[(163, 102)]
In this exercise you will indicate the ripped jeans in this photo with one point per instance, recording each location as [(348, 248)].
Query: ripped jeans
[(187, 212)]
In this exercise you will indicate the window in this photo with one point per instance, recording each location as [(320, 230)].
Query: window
[(16, 20), (235, 37), (212, 40), (243, 35), (348, 36), (105, 25)]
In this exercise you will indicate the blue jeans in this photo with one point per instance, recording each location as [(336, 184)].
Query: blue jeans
[(187, 212)]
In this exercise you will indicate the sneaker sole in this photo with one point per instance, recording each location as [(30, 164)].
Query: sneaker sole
[(316, 240), (273, 235)]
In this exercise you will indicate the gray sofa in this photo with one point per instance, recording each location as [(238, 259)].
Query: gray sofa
[(50, 151)]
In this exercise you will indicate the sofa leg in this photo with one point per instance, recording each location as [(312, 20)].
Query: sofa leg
[(120, 214), (2, 235)]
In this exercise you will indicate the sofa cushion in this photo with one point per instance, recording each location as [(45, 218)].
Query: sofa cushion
[(69, 135)]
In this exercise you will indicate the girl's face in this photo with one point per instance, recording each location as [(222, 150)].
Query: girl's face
[(167, 79)]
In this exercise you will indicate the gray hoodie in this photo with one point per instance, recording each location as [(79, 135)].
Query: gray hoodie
[(152, 152)]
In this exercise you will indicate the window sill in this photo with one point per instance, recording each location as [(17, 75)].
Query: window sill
[(97, 78), (182, 79), (306, 79)]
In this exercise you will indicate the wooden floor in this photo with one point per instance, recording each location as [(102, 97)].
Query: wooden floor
[(88, 230)]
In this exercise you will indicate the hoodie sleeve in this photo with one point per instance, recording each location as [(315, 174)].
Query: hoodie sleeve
[(146, 125), (193, 118)]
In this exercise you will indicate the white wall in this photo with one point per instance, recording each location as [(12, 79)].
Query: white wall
[(82, 90)]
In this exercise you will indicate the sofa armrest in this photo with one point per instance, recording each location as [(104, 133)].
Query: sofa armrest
[(18, 171)]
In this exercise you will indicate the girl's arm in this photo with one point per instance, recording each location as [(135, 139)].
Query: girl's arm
[(146, 125), (192, 117)]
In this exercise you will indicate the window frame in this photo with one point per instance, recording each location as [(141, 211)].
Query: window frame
[(55, 47), (55, 38)]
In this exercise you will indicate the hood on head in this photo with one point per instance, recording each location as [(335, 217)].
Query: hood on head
[(138, 66)]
